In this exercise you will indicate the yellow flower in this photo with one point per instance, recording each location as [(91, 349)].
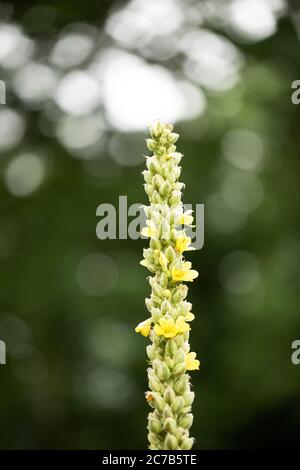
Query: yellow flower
[(169, 328), (183, 244), (144, 327), (191, 362), (185, 273), (185, 219), (163, 260), (150, 231)]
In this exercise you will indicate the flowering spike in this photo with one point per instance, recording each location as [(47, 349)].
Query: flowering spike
[(170, 396)]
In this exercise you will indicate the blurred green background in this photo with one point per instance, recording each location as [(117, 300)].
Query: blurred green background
[(83, 80)]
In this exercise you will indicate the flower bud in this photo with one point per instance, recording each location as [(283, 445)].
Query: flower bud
[(154, 166), (163, 372), (165, 188), (179, 369), (167, 294), (169, 395), (164, 231), (147, 176), (188, 398), (175, 198), (170, 254), (181, 385), (155, 244), (154, 440), (151, 144), (154, 425), (149, 304), (158, 401), (154, 384), (171, 348), (177, 404), (186, 421), (170, 425), (150, 351), (164, 280), (165, 307), (187, 443), (170, 442), (167, 413), (149, 189), (179, 357)]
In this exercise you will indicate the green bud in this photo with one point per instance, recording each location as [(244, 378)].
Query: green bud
[(151, 144), (167, 294), (177, 404), (171, 348), (154, 384), (147, 176), (165, 188), (155, 244), (165, 306), (179, 369), (179, 357), (149, 304), (170, 254), (170, 442), (175, 198), (181, 385), (187, 443), (186, 421), (150, 351), (173, 137), (158, 401), (169, 395), (170, 425), (167, 413), (154, 440), (163, 372), (149, 189), (154, 425), (188, 398), (164, 280), (156, 314), (164, 231)]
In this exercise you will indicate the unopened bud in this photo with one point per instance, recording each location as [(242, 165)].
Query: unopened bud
[(173, 137), (181, 385), (150, 351), (171, 348), (170, 254), (186, 421), (170, 425), (177, 404), (163, 372), (170, 442), (169, 395), (151, 144), (179, 369), (154, 425), (179, 357), (165, 188), (188, 398), (187, 443), (154, 384)]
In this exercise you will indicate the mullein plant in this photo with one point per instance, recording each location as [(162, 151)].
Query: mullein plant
[(168, 325)]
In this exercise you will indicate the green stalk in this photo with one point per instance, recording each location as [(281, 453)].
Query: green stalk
[(168, 326)]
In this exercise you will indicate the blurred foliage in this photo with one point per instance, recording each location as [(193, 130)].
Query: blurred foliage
[(76, 371)]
